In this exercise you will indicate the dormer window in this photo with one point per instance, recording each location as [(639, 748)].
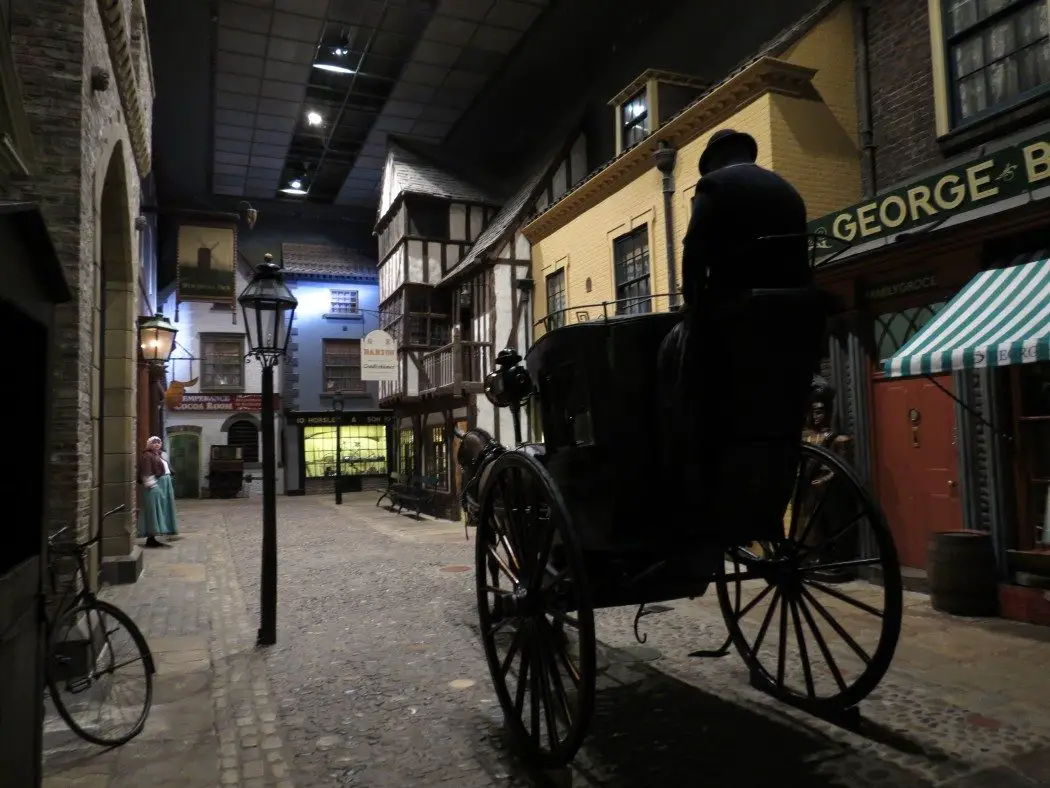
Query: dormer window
[(650, 101), (634, 117)]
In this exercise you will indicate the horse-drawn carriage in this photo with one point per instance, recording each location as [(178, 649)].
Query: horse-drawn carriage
[(622, 504)]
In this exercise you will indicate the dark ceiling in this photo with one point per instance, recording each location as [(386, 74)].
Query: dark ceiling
[(260, 96)]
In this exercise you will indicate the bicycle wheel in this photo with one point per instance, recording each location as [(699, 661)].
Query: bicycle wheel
[(100, 673)]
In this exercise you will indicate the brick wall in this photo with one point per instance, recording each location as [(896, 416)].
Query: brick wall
[(902, 90), (55, 44)]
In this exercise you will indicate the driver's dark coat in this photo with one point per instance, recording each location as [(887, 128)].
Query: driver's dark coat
[(734, 206)]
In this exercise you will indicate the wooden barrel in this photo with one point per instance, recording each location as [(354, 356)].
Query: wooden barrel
[(962, 573)]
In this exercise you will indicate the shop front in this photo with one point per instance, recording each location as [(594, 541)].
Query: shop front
[(941, 350), (354, 447)]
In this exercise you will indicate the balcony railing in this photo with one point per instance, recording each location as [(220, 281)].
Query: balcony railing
[(459, 366), (391, 388)]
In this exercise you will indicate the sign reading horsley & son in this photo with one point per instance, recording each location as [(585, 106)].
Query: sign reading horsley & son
[(224, 402), (998, 176)]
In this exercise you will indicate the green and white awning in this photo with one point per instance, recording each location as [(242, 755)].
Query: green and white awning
[(1001, 317)]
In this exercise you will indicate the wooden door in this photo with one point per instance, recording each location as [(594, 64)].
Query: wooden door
[(185, 456), (916, 462)]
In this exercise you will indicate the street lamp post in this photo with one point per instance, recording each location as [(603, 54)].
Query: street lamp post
[(269, 308), (337, 406)]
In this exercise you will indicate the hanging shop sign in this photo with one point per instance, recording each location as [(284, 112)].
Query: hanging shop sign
[(326, 418), (207, 257), (251, 403), (378, 356), (917, 283), (998, 176)]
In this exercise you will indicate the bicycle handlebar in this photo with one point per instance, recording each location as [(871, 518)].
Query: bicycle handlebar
[(51, 538)]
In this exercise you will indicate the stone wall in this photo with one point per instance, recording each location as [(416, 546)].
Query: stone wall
[(79, 131)]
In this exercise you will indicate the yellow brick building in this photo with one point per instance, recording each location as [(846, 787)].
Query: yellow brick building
[(796, 98)]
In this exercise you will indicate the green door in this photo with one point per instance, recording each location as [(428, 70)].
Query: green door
[(184, 451)]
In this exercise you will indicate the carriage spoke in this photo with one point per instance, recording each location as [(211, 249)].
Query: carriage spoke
[(844, 598), (818, 510), (563, 654), (803, 652), (523, 677), (805, 550), (555, 578), (842, 633), (555, 673), (840, 565), (822, 645), (767, 621), (543, 558), (512, 650), (564, 618), (802, 480), (750, 574), (534, 697), (498, 627), (548, 699), (503, 565), (782, 644), (753, 603)]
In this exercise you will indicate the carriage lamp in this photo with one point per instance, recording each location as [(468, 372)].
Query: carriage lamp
[(157, 339), (269, 309)]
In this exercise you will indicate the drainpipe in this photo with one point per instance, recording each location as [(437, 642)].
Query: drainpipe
[(665, 157), (867, 134)]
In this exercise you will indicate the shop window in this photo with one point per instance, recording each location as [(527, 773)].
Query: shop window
[(631, 261), (894, 329), (344, 303), (998, 54), (634, 119), (342, 365), (407, 454), (556, 299), (246, 435), (222, 362), (361, 450), (1032, 403), (437, 455)]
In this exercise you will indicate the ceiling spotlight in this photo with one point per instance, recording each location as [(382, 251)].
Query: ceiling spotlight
[(314, 118), (294, 187), (333, 68), (340, 51)]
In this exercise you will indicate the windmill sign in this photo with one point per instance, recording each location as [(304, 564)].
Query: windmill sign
[(206, 263)]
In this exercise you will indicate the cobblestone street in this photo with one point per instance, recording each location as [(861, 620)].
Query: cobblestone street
[(378, 679)]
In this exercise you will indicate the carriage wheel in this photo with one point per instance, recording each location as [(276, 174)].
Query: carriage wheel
[(537, 623), (816, 614)]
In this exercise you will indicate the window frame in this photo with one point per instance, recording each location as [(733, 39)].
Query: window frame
[(327, 342), (354, 301), (556, 317), (207, 337), (619, 263), (640, 121), (947, 108)]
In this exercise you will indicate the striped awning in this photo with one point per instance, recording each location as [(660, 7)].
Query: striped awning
[(1001, 317)]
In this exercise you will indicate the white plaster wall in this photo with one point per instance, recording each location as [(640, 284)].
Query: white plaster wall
[(196, 318), (477, 221), (434, 264), (415, 261), (457, 225), (212, 435)]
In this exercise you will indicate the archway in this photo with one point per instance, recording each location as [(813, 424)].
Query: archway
[(114, 371)]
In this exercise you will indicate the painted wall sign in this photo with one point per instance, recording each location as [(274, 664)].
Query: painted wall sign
[(378, 356), (251, 403), (324, 418), (998, 176), (206, 258), (913, 284)]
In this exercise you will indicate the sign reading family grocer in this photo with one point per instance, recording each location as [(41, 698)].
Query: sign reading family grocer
[(999, 176)]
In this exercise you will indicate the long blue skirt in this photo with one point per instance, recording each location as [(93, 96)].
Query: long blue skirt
[(157, 515)]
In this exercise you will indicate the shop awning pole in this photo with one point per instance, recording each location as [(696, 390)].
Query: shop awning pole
[(972, 411)]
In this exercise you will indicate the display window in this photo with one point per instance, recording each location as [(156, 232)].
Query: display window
[(362, 450), (1031, 405), (407, 455)]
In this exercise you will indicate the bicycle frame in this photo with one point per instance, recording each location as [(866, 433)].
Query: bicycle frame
[(72, 596)]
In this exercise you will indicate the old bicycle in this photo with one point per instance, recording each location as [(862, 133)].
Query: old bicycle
[(99, 668)]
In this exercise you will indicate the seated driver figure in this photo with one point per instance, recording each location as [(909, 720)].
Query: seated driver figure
[(726, 252)]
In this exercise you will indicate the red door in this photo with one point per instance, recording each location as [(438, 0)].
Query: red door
[(916, 463)]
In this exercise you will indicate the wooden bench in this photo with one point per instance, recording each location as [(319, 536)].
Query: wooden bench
[(413, 492)]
